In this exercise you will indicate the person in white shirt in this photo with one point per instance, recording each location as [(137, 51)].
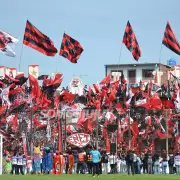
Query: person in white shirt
[(177, 163), (14, 164), (20, 164), (112, 160)]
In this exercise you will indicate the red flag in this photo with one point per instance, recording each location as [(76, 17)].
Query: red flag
[(134, 128), (38, 41), (130, 41), (97, 90), (70, 49), (35, 86), (106, 80), (15, 123), (87, 126), (170, 41), (81, 118)]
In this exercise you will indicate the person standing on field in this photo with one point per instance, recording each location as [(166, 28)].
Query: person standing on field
[(96, 158)]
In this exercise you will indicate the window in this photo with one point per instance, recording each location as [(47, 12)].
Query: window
[(116, 75), (147, 74), (132, 76)]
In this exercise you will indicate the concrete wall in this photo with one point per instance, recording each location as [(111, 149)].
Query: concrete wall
[(130, 67)]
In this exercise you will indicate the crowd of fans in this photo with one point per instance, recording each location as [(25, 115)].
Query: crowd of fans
[(90, 161)]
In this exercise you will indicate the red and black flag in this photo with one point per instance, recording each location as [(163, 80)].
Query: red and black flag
[(170, 41), (70, 49), (38, 41), (130, 41)]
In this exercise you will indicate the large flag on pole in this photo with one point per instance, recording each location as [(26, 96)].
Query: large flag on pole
[(130, 42), (7, 44), (38, 41), (71, 49), (170, 41)]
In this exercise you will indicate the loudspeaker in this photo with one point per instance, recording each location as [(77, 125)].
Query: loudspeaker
[(113, 147)]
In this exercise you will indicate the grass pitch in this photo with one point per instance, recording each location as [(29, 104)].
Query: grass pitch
[(88, 177)]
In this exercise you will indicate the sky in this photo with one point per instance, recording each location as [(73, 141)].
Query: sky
[(99, 27)]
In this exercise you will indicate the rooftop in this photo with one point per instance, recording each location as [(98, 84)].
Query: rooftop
[(137, 64)]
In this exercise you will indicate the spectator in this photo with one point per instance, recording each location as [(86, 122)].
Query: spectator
[(105, 162), (14, 164), (156, 164), (129, 162), (177, 163), (96, 158), (171, 163)]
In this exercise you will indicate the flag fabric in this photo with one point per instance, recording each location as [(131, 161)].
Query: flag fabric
[(34, 70), (42, 77), (130, 41), (7, 43), (2, 72), (11, 72), (106, 80), (38, 41), (36, 91), (71, 49), (170, 41)]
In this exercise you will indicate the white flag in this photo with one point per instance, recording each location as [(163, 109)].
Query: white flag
[(7, 43)]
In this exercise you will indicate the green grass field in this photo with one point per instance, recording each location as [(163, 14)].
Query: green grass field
[(88, 177)]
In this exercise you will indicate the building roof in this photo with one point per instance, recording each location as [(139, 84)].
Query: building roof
[(137, 64)]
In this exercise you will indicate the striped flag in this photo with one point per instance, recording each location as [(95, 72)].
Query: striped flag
[(130, 41), (170, 41), (38, 41)]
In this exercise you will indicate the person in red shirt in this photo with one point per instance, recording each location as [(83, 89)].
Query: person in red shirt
[(57, 163), (70, 162)]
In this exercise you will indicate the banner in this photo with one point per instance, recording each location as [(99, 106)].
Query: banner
[(19, 74), (79, 139), (11, 72), (34, 70), (115, 76), (2, 72)]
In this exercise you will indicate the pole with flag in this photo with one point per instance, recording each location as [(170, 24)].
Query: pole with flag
[(97, 129), (129, 129)]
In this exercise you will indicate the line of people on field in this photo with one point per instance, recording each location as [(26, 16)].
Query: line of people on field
[(74, 161)]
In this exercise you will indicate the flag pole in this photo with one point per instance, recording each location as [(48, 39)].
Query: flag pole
[(59, 57), (160, 54), (129, 129), (21, 53), (20, 57), (119, 56), (167, 140)]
